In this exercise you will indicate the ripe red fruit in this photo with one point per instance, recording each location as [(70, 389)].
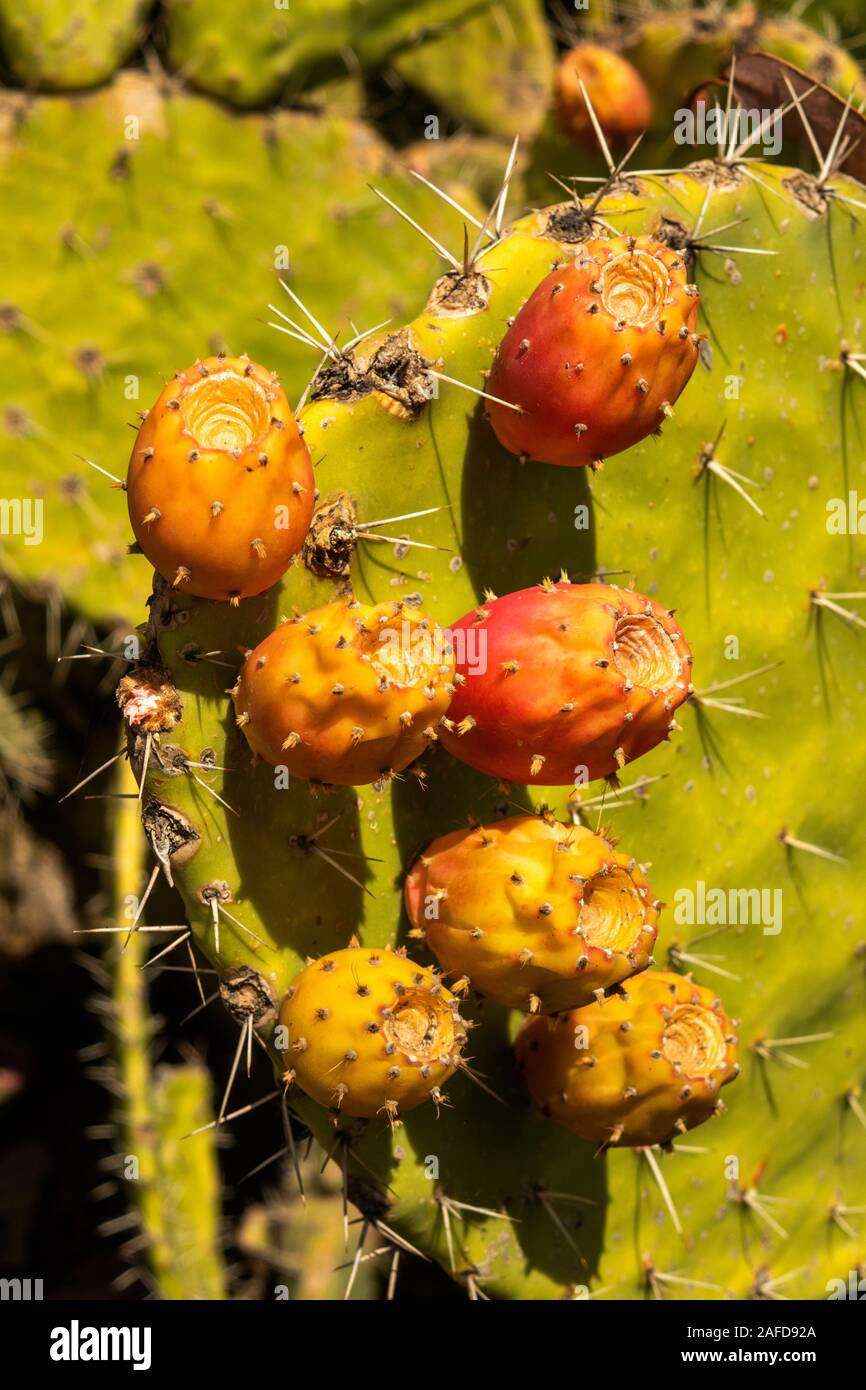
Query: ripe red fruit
[(597, 355), (616, 89), (220, 484), (564, 683)]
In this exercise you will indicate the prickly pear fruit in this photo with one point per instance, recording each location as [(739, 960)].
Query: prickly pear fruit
[(220, 484), (539, 915), (597, 355), (346, 693), (369, 1032), (644, 1066), (616, 89), (564, 683)]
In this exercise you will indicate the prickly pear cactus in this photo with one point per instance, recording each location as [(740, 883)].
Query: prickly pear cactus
[(742, 820), (129, 244), (696, 47)]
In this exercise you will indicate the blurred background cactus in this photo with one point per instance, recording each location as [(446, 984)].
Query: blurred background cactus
[(51, 46), (162, 167)]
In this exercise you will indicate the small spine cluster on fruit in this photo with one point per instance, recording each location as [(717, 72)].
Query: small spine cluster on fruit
[(347, 693), (639, 1070), (598, 354), (536, 914), (220, 483), (369, 1032), (577, 681)]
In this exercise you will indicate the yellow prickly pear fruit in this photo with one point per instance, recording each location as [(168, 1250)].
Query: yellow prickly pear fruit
[(220, 484), (539, 915), (643, 1067), (369, 1032), (347, 693)]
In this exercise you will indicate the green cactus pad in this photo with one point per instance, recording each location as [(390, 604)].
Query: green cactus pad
[(64, 45), (253, 55), (494, 71)]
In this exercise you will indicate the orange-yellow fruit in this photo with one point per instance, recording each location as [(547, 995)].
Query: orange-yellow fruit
[(347, 693), (369, 1032), (642, 1067), (616, 89), (220, 485), (537, 914)]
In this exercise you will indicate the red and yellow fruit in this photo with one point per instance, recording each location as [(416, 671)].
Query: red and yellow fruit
[(537, 914), (598, 354), (346, 693), (641, 1068), (369, 1032), (220, 485), (567, 682), (615, 88)]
